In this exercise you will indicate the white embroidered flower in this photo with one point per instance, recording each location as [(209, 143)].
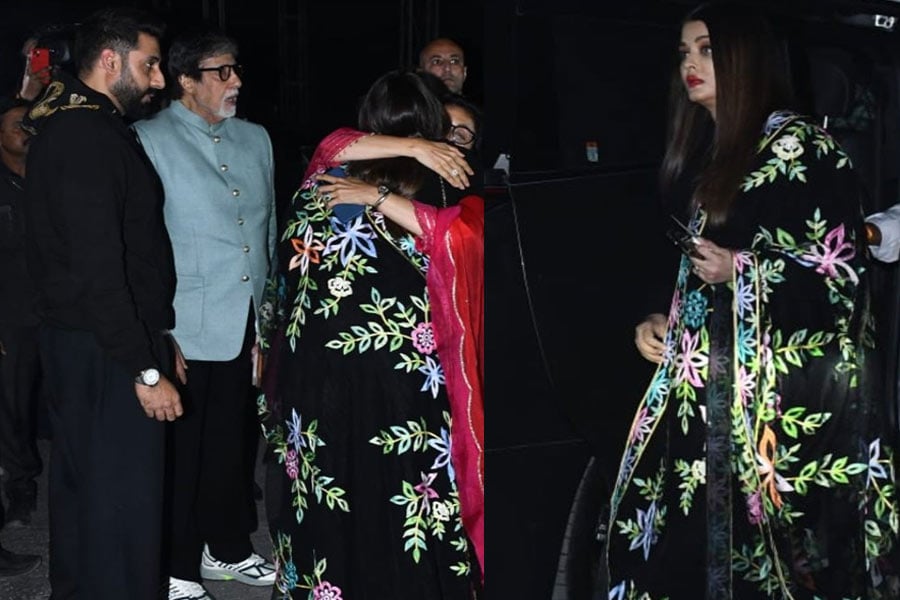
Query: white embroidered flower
[(787, 147), (339, 287), (77, 99), (266, 311), (440, 512), (698, 470)]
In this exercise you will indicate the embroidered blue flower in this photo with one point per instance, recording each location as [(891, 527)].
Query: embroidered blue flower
[(442, 445), (295, 431), (647, 534), (695, 304), (407, 243), (618, 592), (776, 120), (351, 238), (744, 297), (434, 376), (289, 575)]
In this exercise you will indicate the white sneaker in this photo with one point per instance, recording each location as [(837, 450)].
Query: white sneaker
[(253, 570), (182, 589)]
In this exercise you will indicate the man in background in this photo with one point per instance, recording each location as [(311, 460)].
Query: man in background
[(218, 175), (19, 358), (445, 59), (18, 340), (102, 263)]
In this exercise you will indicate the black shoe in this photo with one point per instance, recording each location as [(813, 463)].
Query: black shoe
[(21, 505), (12, 564)]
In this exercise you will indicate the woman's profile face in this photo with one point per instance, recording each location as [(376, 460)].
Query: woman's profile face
[(697, 72)]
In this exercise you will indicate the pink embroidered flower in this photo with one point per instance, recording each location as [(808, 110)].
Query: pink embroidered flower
[(743, 260), (291, 464), (423, 338), (326, 591), (746, 384), (641, 427), (754, 508), (426, 490), (832, 255), (691, 360), (675, 312)]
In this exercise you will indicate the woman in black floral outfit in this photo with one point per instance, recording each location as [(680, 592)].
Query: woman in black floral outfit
[(757, 465), (361, 494)]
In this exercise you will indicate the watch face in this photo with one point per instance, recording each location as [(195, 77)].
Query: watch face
[(150, 377)]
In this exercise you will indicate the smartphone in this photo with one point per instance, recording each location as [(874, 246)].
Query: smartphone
[(682, 237), (344, 212), (39, 64)]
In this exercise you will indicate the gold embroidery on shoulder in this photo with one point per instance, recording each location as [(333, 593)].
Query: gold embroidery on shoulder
[(43, 108)]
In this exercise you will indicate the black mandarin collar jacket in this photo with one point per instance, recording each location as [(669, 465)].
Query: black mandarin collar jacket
[(97, 245)]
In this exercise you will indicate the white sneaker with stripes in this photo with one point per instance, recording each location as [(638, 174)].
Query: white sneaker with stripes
[(253, 570), (182, 589)]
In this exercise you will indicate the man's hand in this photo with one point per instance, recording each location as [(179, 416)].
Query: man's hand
[(161, 401), (649, 336), (181, 367)]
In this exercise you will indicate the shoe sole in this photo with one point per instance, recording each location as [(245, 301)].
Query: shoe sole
[(217, 575)]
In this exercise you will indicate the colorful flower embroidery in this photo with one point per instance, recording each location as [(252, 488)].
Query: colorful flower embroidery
[(423, 338), (782, 452)]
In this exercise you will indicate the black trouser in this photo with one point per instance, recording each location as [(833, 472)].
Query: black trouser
[(20, 373), (106, 474), (208, 454)]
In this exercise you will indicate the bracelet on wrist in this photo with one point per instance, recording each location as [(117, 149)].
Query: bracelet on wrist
[(385, 192)]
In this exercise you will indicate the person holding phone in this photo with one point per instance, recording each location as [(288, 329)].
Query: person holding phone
[(759, 463)]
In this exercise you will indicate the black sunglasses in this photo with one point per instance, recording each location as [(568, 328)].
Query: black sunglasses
[(460, 134), (224, 71)]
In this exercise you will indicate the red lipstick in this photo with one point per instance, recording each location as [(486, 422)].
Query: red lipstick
[(692, 81)]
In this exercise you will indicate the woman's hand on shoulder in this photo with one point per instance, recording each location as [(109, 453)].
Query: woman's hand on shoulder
[(444, 159), (346, 190), (649, 337)]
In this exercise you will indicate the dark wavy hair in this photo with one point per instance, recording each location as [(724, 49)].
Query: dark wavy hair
[(191, 47), (752, 79), (399, 103), (117, 28)]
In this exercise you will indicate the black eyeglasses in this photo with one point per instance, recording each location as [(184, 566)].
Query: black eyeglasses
[(224, 71), (462, 135)]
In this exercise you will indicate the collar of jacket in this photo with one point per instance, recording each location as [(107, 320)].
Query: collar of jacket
[(191, 118), (66, 92)]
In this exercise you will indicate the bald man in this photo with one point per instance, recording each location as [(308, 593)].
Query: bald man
[(445, 59)]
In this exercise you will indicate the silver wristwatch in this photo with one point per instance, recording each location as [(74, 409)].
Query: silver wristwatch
[(148, 377)]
